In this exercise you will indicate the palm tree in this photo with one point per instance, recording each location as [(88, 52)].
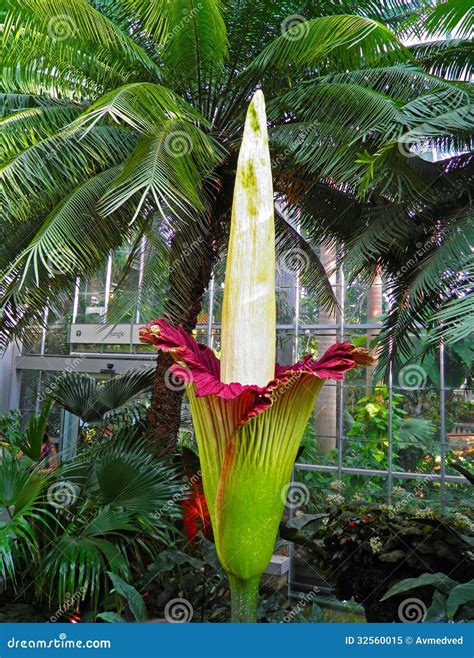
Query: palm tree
[(400, 187), (122, 120)]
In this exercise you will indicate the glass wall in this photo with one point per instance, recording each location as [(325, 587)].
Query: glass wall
[(368, 438), (370, 434)]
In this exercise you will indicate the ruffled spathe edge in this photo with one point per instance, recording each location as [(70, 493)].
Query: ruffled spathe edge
[(196, 363)]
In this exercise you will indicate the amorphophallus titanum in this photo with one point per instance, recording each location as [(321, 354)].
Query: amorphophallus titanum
[(249, 415)]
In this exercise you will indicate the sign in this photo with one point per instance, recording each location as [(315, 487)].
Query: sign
[(104, 334)]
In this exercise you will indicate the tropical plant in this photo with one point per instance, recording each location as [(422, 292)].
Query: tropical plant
[(95, 401), (363, 549), (21, 501), (451, 601), (111, 510), (370, 426), (10, 429), (115, 111), (249, 414), (31, 441)]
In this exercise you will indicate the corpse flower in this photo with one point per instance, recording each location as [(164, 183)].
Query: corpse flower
[(249, 415)]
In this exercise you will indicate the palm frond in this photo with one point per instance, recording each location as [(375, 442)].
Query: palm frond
[(168, 166), (348, 42), (196, 45), (151, 16), (143, 297), (299, 257), (454, 322), (21, 492), (41, 265), (142, 106), (42, 174), (77, 562), (52, 28), (132, 481), (446, 112), (401, 82), (454, 17), (431, 274), (90, 400), (25, 127), (448, 259), (450, 59), (71, 238)]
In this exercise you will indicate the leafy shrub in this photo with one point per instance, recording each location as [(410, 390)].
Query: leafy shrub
[(363, 548), (109, 510), (450, 601)]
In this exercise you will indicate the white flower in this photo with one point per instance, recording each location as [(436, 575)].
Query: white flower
[(463, 521), (249, 308), (335, 499), (337, 485), (375, 544)]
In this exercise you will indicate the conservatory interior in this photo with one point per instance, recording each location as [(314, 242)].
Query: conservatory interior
[(193, 198)]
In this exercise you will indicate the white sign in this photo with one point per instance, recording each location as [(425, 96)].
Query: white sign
[(102, 334)]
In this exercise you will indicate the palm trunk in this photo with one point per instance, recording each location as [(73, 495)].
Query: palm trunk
[(188, 282), (164, 414)]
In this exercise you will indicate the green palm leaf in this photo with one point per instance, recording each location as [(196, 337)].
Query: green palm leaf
[(21, 492), (300, 258), (25, 127), (451, 59), (127, 480), (441, 18), (37, 177), (72, 236), (168, 166), (140, 105), (89, 399), (74, 24), (350, 42), (455, 320), (196, 43)]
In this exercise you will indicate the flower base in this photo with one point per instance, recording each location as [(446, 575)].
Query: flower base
[(244, 599)]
